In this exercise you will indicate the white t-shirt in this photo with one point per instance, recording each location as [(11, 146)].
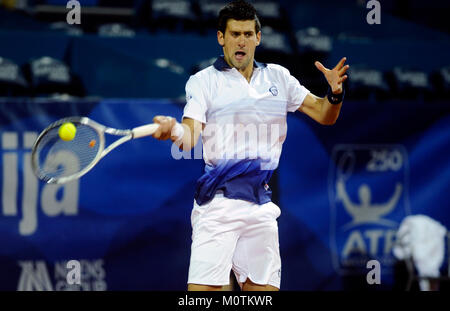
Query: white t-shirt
[(243, 120)]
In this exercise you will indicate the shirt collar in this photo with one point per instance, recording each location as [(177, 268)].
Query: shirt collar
[(221, 65)]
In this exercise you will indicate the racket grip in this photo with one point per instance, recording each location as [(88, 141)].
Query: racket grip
[(145, 130)]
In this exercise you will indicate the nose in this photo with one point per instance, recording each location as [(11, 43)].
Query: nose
[(241, 41)]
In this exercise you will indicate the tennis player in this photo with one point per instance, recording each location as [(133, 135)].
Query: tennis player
[(234, 222)]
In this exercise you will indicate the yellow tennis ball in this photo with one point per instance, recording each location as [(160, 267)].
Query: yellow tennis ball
[(67, 131)]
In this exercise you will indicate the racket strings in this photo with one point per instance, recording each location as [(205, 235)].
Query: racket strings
[(57, 158)]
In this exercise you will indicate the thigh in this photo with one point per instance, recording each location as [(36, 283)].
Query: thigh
[(257, 254), (199, 287), (213, 245)]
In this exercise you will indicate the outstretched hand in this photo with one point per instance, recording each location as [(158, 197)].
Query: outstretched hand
[(336, 76)]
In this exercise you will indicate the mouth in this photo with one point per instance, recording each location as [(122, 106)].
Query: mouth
[(239, 55)]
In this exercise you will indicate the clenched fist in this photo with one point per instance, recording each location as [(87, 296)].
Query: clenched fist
[(165, 127)]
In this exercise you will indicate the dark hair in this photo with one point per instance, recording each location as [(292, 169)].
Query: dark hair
[(239, 10)]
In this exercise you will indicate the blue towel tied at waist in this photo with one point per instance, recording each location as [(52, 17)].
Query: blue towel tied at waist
[(238, 179)]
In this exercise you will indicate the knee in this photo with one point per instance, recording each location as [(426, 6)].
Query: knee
[(250, 286)]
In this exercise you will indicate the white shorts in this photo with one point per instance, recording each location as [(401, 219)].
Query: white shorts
[(234, 234)]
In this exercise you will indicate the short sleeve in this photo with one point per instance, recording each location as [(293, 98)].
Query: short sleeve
[(296, 92), (196, 106)]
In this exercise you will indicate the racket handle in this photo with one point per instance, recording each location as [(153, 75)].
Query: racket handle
[(145, 130)]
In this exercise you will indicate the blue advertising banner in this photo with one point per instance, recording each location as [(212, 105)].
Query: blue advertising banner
[(343, 191), (126, 222)]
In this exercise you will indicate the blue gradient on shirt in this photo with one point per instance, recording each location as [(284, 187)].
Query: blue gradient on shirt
[(238, 179)]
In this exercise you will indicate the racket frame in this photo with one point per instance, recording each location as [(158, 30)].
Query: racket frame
[(101, 152)]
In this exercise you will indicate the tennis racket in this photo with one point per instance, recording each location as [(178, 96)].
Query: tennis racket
[(57, 161)]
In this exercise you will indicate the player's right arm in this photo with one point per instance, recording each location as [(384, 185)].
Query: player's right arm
[(192, 130), (185, 135)]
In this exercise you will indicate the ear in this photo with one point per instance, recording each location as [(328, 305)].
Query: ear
[(220, 38), (258, 38)]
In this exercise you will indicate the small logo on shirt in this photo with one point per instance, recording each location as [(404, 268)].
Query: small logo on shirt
[(274, 90), (188, 97), (266, 187)]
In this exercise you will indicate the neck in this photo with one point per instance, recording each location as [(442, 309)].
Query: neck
[(246, 72)]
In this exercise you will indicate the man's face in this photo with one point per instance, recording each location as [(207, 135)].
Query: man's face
[(239, 43)]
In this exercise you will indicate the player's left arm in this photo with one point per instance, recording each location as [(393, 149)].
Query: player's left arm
[(321, 109)]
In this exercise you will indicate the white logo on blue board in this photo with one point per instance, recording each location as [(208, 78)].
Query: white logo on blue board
[(274, 90), (368, 186), (34, 196), (365, 211), (35, 275)]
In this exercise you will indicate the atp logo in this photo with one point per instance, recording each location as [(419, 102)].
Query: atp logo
[(364, 211), (368, 191)]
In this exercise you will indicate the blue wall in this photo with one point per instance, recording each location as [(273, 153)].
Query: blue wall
[(128, 220)]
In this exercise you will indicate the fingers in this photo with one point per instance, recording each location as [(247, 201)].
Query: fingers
[(341, 63), (320, 66), (343, 70), (340, 68), (337, 87), (343, 79), (165, 127)]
